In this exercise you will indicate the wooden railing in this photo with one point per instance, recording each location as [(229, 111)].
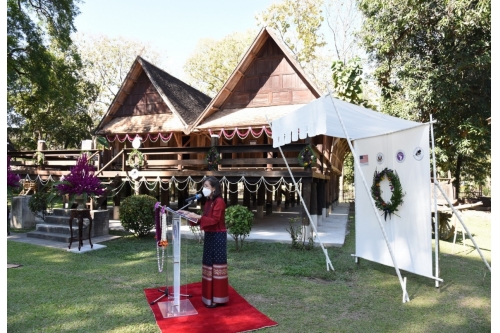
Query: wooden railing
[(164, 161)]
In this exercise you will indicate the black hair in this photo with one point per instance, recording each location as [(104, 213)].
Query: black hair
[(214, 182)]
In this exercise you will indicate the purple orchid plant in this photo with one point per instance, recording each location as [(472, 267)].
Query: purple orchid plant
[(13, 180), (81, 181)]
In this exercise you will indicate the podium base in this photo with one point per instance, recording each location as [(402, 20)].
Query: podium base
[(169, 310)]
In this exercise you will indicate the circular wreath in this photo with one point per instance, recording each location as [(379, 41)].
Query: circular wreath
[(306, 157), (397, 192), (136, 159), (38, 158), (213, 159)]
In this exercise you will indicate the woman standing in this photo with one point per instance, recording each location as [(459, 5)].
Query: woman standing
[(214, 285)]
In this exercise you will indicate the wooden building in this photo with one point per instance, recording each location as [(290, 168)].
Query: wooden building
[(178, 126)]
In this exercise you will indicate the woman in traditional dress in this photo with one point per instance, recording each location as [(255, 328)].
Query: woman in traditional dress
[(212, 222)]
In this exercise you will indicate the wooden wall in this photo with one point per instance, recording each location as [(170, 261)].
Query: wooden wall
[(269, 80)]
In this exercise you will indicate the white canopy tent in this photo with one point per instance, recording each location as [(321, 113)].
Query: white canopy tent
[(381, 141)]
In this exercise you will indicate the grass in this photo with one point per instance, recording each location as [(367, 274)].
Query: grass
[(102, 291)]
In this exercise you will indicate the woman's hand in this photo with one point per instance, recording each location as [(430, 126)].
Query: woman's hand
[(193, 216)]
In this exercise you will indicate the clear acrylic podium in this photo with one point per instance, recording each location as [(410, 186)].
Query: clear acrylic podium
[(175, 307)]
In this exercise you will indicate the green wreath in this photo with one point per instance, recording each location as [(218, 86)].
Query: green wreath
[(135, 159), (38, 158), (213, 159), (306, 157), (396, 200)]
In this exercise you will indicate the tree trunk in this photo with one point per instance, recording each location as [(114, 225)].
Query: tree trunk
[(456, 182)]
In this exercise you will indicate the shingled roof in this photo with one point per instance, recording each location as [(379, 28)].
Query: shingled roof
[(268, 81), (152, 101)]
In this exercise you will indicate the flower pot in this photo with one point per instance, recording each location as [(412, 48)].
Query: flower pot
[(80, 201)]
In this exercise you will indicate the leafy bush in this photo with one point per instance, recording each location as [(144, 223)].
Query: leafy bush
[(137, 214), (40, 201), (239, 221)]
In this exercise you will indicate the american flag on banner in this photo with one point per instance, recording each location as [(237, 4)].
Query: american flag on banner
[(363, 159)]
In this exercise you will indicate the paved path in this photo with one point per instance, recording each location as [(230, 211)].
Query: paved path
[(270, 228)]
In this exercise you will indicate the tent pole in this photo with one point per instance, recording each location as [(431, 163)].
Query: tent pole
[(328, 262), (406, 298), (436, 215)]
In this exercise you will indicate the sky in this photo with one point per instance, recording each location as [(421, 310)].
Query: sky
[(171, 27)]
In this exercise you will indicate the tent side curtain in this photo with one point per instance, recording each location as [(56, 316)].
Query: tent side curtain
[(320, 117)]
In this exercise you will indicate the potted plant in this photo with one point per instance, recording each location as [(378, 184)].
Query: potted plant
[(81, 183)]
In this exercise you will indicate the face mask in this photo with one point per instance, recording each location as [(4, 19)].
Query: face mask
[(206, 191)]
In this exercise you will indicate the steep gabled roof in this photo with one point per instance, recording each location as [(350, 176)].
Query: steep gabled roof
[(170, 104), (213, 111)]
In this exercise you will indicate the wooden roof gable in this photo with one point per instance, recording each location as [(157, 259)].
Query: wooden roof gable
[(151, 100), (269, 77)]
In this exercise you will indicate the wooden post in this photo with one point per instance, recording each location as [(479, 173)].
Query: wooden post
[(165, 197), (178, 139), (225, 192), (261, 199), (287, 197), (269, 202), (41, 145), (321, 188), (246, 197), (254, 195), (293, 193), (278, 198), (269, 167), (306, 196), (233, 195)]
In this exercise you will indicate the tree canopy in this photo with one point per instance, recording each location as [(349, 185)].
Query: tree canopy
[(106, 62), (434, 58), (46, 96), (214, 61)]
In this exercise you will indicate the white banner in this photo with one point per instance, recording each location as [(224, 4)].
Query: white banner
[(409, 230)]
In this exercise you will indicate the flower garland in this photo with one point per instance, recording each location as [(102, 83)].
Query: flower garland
[(38, 158), (136, 159), (213, 159), (161, 234), (396, 200), (306, 157), (241, 134), (131, 137)]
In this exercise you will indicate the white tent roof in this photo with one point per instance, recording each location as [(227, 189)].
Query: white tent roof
[(319, 117)]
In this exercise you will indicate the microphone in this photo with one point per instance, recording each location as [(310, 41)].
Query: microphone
[(194, 198)]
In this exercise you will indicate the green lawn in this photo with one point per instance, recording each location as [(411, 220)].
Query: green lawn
[(102, 291)]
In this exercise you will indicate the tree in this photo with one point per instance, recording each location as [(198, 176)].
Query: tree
[(44, 89), (434, 58), (28, 56), (106, 63), (343, 20), (214, 61), (298, 23), (59, 116)]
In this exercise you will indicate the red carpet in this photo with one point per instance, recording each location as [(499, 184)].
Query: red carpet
[(235, 316)]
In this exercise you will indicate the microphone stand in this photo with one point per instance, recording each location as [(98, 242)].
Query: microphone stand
[(166, 292)]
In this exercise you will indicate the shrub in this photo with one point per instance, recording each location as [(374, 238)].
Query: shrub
[(137, 214), (239, 221), (39, 203)]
